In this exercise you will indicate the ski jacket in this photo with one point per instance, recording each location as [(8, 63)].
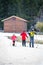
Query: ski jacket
[(31, 33), (24, 35), (13, 37)]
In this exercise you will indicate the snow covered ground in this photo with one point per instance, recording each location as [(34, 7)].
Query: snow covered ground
[(19, 55)]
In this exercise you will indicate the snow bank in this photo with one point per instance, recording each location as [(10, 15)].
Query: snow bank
[(38, 37)]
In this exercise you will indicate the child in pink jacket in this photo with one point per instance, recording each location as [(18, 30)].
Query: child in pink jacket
[(13, 39)]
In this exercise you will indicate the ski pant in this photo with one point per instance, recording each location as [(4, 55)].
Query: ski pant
[(24, 43), (14, 43), (32, 41)]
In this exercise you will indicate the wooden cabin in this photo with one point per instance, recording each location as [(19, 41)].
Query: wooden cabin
[(15, 24)]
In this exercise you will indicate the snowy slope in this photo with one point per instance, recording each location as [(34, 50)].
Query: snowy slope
[(19, 55)]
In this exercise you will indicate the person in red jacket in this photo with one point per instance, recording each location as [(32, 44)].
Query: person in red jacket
[(24, 35), (13, 39)]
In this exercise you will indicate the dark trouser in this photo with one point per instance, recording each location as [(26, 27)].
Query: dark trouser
[(24, 43), (14, 43), (32, 41)]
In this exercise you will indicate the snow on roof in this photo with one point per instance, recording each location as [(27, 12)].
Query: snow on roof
[(14, 17)]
